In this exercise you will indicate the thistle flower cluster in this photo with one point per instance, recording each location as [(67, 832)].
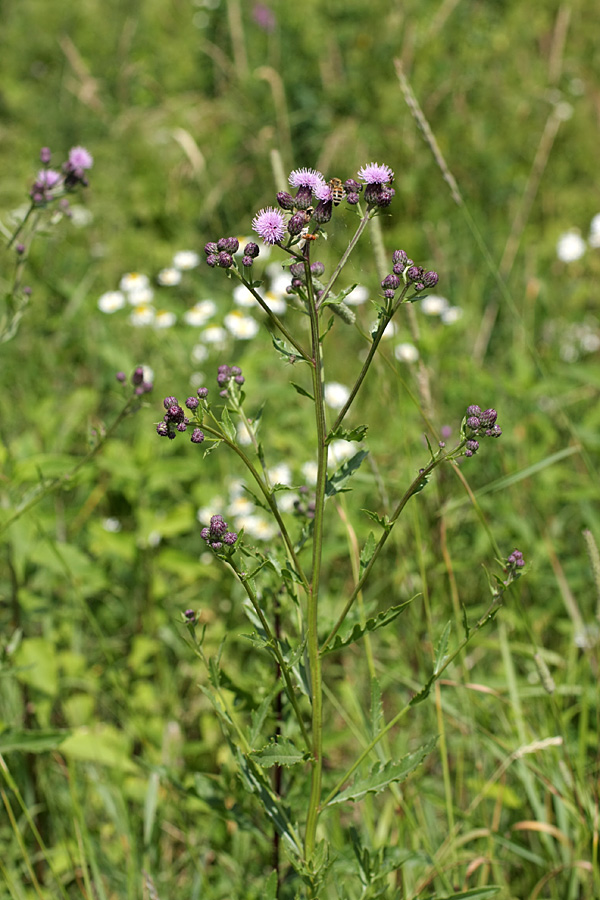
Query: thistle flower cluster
[(315, 198), (513, 565), (478, 424), (217, 536), (221, 253), (175, 420), (51, 184), (226, 375), (141, 385), (404, 271)]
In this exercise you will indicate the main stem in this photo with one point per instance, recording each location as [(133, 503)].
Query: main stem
[(314, 657)]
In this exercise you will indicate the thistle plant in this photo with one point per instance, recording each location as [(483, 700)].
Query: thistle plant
[(48, 203), (284, 586)]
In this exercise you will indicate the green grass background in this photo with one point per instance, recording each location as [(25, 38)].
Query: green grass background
[(185, 107)]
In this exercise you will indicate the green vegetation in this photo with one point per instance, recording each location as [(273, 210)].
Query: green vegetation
[(113, 761)]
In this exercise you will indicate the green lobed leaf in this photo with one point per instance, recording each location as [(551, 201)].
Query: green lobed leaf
[(345, 434), (384, 774), (366, 554), (336, 483), (381, 520), (279, 752), (358, 630)]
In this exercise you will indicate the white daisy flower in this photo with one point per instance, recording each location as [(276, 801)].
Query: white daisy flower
[(242, 327), (111, 301), (406, 353), (142, 315), (357, 297), (133, 281), (570, 246), (433, 305), (240, 506), (279, 280), (199, 353), (594, 238), (112, 525), (164, 319), (310, 471), (215, 335), (340, 451), (280, 474), (141, 296), (336, 394), (286, 500), (243, 297), (257, 527), (169, 277), (186, 259), (243, 436), (451, 315), (200, 313), (275, 302)]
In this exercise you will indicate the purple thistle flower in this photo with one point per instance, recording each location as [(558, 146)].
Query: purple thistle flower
[(474, 410), (373, 173), (79, 158), (247, 262), (45, 155), (197, 436), (210, 248), (192, 403), (323, 211), (252, 250), (121, 376), (307, 178), (323, 192), (269, 224), (224, 259), (390, 283), (202, 392), (264, 17), (170, 401), (138, 375)]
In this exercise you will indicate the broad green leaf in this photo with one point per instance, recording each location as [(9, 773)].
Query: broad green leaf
[(336, 483), (32, 741), (279, 752), (384, 774), (269, 892), (227, 425), (103, 745), (358, 630)]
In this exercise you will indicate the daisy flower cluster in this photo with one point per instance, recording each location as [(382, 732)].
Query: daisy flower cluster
[(52, 184), (571, 246)]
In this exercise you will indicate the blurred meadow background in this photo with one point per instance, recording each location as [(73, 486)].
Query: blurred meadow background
[(195, 111)]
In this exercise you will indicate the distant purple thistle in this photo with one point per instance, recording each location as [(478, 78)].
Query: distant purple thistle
[(269, 224), (121, 376), (264, 17), (80, 158), (190, 616), (45, 155), (138, 375)]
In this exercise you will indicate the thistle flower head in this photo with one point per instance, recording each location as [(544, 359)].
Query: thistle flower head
[(309, 178), (269, 224), (373, 173), (80, 158)]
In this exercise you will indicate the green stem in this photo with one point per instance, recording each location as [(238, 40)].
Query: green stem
[(314, 657), (383, 323), (412, 489), (216, 432), (344, 259), (274, 644), (276, 321)]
